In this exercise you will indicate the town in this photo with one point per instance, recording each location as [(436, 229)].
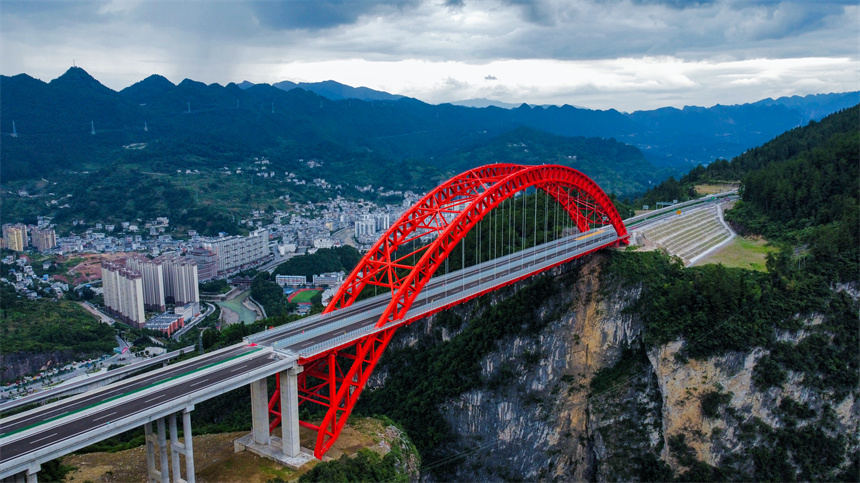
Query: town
[(145, 267)]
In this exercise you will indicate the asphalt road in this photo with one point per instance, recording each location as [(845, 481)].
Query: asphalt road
[(373, 309), (19, 422), (112, 411)]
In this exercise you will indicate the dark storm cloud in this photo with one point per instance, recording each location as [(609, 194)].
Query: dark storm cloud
[(320, 14)]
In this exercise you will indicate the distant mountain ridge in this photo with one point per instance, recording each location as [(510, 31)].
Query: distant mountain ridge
[(332, 90), (55, 122)]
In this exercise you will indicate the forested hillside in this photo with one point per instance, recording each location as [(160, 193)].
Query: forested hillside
[(788, 145), (617, 167), (804, 188), (33, 332), (213, 124)]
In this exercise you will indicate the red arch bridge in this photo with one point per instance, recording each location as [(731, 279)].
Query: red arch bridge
[(405, 258)]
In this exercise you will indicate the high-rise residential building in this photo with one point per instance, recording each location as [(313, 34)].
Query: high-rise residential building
[(43, 239), (123, 292), (207, 263), (236, 252), (365, 229), (152, 272), (181, 281), (15, 236)]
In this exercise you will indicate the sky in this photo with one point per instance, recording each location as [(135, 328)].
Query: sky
[(624, 54)]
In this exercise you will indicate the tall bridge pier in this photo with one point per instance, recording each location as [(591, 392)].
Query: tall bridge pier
[(286, 449), (157, 443)]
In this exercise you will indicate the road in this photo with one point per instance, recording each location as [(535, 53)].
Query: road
[(112, 408), (309, 332), (194, 321)]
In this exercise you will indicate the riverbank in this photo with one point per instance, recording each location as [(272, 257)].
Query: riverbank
[(235, 310)]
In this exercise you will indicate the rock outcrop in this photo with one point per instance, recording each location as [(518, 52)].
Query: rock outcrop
[(583, 398)]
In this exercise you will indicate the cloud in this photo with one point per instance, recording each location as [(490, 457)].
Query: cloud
[(321, 14), (588, 52)]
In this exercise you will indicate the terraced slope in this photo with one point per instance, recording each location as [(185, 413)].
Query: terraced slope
[(692, 234)]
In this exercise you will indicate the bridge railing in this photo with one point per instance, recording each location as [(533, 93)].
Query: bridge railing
[(550, 258)]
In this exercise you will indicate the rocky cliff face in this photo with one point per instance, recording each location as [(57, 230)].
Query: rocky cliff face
[(583, 399), (17, 364)]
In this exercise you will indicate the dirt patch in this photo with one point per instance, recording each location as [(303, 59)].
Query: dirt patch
[(215, 461), (90, 268), (715, 188)]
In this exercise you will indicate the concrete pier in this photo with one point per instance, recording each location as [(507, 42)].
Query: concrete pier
[(157, 443), (286, 450)]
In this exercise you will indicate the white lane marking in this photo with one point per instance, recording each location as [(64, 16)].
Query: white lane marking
[(238, 368), (153, 398), (198, 383), (105, 416), (42, 439)]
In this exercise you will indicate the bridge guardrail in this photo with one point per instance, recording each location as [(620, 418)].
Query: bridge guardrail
[(430, 307), (96, 379)]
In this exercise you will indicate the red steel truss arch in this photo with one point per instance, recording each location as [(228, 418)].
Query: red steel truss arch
[(445, 215)]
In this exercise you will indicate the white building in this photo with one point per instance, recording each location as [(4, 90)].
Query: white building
[(330, 278), (181, 281), (123, 293), (152, 272), (235, 252), (291, 280)]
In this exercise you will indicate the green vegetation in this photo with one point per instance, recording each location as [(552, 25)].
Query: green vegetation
[(607, 377), (306, 296), (797, 453), (48, 326), (365, 466), (215, 286), (796, 142), (811, 199), (712, 401), (716, 309), (324, 260), (269, 294), (743, 252)]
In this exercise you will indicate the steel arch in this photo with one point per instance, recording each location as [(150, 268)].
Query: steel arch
[(443, 217), (483, 189)]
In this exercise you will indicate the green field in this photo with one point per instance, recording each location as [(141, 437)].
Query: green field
[(305, 297), (742, 253)]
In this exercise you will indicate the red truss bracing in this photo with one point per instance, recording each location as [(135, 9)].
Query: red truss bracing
[(440, 220)]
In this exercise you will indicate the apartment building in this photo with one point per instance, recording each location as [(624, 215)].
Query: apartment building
[(236, 252), (207, 263), (44, 239), (181, 281), (152, 272), (15, 236), (123, 292)]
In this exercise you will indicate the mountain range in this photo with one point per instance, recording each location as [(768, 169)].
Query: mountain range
[(75, 122)]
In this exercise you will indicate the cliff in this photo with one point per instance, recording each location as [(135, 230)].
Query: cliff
[(569, 389)]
